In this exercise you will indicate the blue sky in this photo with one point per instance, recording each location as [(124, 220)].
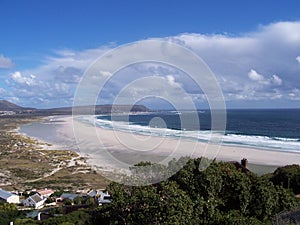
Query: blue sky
[(251, 46)]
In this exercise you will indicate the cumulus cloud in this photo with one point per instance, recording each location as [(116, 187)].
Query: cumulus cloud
[(259, 78), (20, 79), (5, 62), (295, 94), (253, 75), (269, 50), (276, 80), (258, 65), (53, 83), (171, 81)]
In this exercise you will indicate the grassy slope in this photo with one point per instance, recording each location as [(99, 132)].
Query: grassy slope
[(25, 165)]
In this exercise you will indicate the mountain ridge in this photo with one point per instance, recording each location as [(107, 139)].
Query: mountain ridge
[(9, 106), (98, 109)]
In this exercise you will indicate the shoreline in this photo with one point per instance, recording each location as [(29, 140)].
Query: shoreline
[(109, 149), (30, 163)]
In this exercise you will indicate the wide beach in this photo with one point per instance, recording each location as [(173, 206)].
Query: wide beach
[(115, 150)]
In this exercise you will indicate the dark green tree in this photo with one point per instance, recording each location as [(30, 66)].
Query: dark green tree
[(78, 200), (163, 203), (288, 177)]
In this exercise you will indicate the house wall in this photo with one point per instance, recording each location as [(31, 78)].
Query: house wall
[(39, 204), (13, 199), (32, 203), (28, 202)]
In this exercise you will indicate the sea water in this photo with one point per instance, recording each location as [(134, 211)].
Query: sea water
[(271, 129)]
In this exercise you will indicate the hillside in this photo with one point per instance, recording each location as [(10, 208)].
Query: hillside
[(99, 109), (8, 106)]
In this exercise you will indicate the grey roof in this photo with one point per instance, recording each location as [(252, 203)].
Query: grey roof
[(99, 193), (69, 196), (36, 198), (5, 194), (93, 193), (32, 214)]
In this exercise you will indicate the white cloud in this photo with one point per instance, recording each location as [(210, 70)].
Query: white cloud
[(276, 80), (172, 82), (5, 62), (19, 78), (253, 66), (253, 75), (259, 78), (13, 99), (295, 94), (269, 50), (105, 73), (54, 82)]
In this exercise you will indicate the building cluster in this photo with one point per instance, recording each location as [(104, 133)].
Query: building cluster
[(7, 113), (37, 199)]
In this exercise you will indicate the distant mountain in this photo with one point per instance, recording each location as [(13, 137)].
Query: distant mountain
[(99, 109), (8, 106)]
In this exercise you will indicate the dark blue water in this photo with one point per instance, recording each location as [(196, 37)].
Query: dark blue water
[(284, 123), (266, 128)]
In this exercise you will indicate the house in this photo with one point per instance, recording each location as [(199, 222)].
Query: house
[(104, 198), (100, 196), (35, 201), (9, 197), (37, 215), (45, 193), (69, 196)]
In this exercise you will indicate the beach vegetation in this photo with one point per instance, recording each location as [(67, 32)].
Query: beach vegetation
[(25, 163)]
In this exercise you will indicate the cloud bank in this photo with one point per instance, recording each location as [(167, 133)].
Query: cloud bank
[(255, 67)]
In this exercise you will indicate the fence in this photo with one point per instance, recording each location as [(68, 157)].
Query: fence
[(288, 217)]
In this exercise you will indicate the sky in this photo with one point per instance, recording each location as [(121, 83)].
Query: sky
[(252, 47)]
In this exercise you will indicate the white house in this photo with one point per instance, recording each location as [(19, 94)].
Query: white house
[(104, 198), (100, 196), (9, 197), (35, 201)]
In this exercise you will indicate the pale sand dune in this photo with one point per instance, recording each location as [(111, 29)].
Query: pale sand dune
[(114, 149)]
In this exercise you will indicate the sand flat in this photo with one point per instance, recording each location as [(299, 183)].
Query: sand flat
[(131, 148), (111, 149)]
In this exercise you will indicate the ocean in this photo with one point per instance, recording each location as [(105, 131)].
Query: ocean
[(270, 129)]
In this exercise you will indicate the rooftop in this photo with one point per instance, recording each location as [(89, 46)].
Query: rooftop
[(5, 194), (36, 197)]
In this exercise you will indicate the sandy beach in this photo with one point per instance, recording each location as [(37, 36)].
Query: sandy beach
[(114, 150)]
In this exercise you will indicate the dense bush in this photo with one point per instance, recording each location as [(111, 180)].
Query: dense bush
[(202, 192), (288, 177), (220, 194)]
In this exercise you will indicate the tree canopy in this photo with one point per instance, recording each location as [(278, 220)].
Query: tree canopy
[(219, 194), (288, 177), (201, 192)]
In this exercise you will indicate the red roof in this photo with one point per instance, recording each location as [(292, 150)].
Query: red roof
[(45, 192)]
